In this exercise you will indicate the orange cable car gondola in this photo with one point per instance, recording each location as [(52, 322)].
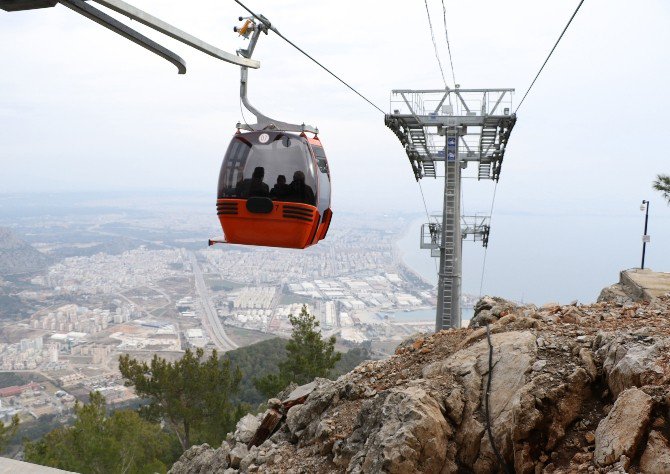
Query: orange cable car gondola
[(274, 185), (274, 190)]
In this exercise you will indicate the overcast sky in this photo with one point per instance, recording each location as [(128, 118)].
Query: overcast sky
[(83, 109)]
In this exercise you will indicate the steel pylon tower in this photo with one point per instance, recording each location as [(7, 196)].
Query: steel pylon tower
[(454, 127)]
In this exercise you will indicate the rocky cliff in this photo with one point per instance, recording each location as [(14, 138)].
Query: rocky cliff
[(579, 388)]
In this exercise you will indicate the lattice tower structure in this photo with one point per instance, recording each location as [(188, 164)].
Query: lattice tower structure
[(449, 129)]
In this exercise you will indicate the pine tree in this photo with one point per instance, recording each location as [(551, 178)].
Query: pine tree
[(308, 356), (6, 432), (98, 443), (192, 396), (662, 184)]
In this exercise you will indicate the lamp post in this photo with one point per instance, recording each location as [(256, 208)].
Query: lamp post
[(645, 238)]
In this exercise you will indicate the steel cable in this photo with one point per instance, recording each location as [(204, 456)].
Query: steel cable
[(446, 34), (432, 37), (550, 53), (268, 24)]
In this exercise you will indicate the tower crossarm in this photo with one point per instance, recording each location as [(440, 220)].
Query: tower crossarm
[(419, 119)]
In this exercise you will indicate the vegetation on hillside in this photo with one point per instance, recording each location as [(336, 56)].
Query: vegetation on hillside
[(7, 431), (308, 356), (99, 443), (256, 361)]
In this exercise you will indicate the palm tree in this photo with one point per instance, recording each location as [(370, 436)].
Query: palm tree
[(662, 184)]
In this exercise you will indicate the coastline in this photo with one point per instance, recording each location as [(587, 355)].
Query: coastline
[(401, 257)]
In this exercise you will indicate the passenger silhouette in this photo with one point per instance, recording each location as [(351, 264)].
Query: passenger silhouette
[(240, 186), (280, 189), (256, 185), (299, 191)]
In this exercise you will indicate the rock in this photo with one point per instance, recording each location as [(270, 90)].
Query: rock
[(614, 294), (514, 354), (238, 453), (410, 341), (274, 403), (298, 395), (303, 420), (248, 460), (246, 428), (482, 318), (633, 364), (270, 422), (621, 431), (489, 309), (201, 460), (287, 391), (656, 456), (539, 365), (400, 433), (586, 357)]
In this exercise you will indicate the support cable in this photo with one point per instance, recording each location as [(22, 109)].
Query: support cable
[(244, 119), (432, 37), (550, 53), (499, 457), (269, 25), (486, 249), (446, 33)]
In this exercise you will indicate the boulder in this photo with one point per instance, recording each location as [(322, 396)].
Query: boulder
[(489, 309), (246, 428), (302, 420), (620, 432), (513, 356), (632, 363), (614, 294), (656, 456), (238, 453), (400, 433)]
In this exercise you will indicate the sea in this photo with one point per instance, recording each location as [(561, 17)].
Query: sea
[(422, 263)]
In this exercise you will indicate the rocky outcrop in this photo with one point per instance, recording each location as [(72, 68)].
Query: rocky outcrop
[(489, 309), (572, 389)]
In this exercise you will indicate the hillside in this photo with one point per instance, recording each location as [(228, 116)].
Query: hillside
[(258, 360), (578, 388), (17, 256)]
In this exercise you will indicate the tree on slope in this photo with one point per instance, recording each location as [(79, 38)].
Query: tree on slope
[(191, 395), (98, 443), (308, 356), (6, 432), (662, 184)]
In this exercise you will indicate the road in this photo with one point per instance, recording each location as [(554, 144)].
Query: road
[(210, 319)]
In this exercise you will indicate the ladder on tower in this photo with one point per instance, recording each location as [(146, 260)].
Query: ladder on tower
[(412, 135), (449, 243), (489, 135)]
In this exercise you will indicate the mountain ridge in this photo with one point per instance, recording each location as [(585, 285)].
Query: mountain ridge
[(17, 256)]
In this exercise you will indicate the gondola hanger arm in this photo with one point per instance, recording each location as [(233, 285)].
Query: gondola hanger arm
[(119, 6)]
